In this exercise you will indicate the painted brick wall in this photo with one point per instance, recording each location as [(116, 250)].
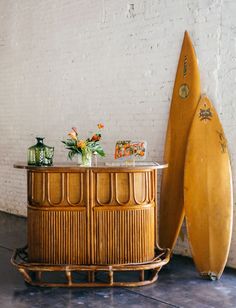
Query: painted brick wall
[(67, 63)]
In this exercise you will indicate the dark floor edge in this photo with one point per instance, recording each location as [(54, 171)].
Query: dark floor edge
[(7, 248), (11, 213), (149, 297)]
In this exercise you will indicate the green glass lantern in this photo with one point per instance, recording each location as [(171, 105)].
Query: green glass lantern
[(40, 154)]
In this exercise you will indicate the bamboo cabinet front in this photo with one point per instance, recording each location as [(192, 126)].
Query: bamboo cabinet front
[(97, 216)]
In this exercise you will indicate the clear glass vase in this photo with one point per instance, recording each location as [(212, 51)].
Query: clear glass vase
[(86, 158)]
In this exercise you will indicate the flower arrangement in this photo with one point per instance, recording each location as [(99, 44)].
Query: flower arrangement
[(84, 147)]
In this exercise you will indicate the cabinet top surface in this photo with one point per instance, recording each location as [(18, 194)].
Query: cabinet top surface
[(106, 166)]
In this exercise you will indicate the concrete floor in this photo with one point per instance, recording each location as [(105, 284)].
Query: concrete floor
[(178, 286)]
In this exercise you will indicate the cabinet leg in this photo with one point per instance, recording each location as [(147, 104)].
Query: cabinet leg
[(68, 276), (26, 276), (111, 277), (38, 276), (91, 276), (141, 275)]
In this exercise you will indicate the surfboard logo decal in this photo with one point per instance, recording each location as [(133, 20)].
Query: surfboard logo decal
[(223, 141), (205, 114), (185, 66), (184, 91)]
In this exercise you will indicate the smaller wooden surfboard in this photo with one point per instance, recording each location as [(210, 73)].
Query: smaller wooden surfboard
[(208, 199)]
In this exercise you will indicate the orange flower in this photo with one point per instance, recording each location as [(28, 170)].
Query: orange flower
[(100, 125), (81, 144), (73, 135), (96, 137)]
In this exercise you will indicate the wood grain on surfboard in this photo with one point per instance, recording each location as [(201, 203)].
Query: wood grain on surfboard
[(186, 95), (208, 192)]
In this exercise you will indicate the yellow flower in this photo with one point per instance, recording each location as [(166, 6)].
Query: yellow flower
[(73, 135), (81, 144), (100, 125)]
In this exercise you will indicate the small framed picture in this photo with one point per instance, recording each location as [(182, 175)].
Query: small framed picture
[(130, 150)]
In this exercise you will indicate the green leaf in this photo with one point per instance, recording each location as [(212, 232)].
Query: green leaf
[(71, 154), (100, 151), (69, 142)]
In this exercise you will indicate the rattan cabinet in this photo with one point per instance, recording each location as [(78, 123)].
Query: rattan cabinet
[(94, 219)]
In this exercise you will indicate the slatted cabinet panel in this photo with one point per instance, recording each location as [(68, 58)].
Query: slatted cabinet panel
[(57, 217), (57, 236), (123, 217)]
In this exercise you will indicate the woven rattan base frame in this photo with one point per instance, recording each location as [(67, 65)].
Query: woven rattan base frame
[(33, 273)]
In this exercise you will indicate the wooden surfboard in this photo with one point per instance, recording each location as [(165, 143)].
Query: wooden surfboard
[(186, 95), (208, 192)]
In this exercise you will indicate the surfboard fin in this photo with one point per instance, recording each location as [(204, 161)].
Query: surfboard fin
[(209, 276)]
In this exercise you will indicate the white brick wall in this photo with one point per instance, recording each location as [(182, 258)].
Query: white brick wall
[(70, 63)]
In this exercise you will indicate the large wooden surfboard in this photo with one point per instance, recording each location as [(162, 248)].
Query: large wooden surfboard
[(208, 192), (186, 95)]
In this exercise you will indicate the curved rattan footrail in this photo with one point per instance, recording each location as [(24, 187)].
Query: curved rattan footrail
[(38, 274)]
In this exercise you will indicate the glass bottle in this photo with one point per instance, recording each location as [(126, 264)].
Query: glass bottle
[(40, 154)]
